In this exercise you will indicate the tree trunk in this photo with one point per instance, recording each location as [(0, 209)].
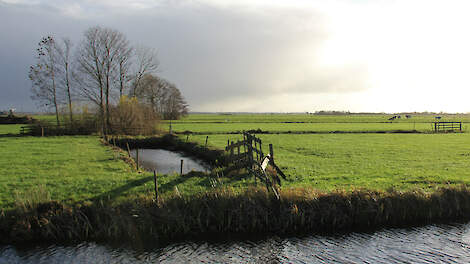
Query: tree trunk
[(67, 83), (54, 93)]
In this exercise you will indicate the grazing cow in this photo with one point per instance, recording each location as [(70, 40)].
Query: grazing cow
[(392, 118), (438, 117), (408, 116)]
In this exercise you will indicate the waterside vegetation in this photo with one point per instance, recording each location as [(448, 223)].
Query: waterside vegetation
[(83, 188)]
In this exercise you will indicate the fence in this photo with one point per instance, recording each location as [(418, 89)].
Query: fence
[(447, 126), (248, 154)]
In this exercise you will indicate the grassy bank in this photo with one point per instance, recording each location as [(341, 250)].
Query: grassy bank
[(224, 211)]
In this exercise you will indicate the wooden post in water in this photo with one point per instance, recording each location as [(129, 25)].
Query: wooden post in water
[(156, 186), (181, 169), (137, 158)]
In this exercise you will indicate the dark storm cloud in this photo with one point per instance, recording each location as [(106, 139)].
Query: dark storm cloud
[(211, 52)]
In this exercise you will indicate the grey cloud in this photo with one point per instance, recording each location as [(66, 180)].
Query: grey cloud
[(211, 53)]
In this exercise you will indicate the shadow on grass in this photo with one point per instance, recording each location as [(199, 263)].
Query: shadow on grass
[(162, 188), (114, 193)]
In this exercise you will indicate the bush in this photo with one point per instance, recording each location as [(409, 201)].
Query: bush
[(129, 117)]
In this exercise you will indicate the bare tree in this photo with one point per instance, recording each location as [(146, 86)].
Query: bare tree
[(164, 98), (90, 67), (64, 63), (125, 63), (146, 62), (43, 75), (102, 58)]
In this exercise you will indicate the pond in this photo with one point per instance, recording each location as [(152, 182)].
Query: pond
[(166, 162), (448, 243)]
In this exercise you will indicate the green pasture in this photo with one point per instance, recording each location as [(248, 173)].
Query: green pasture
[(370, 161), (78, 168), (312, 118), (211, 128), (10, 129)]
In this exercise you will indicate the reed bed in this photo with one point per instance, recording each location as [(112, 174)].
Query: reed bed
[(227, 211)]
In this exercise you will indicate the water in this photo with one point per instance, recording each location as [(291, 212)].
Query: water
[(429, 244), (165, 161)]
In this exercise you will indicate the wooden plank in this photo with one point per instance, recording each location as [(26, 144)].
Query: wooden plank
[(279, 171)]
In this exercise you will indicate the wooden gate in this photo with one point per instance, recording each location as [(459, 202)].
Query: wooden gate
[(248, 154), (447, 126)]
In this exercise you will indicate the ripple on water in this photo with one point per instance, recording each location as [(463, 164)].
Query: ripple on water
[(429, 244)]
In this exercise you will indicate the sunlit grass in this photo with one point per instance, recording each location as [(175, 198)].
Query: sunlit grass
[(371, 161), (77, 168)]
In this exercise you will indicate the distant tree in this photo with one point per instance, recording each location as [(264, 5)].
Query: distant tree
[(174, 104), (43, 75), (164, 98)]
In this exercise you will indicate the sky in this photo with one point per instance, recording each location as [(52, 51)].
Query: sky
[(267, 56)]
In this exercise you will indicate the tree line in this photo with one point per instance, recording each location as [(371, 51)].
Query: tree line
[(106, 71)]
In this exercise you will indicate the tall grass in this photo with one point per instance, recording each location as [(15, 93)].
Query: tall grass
[(224, 211)]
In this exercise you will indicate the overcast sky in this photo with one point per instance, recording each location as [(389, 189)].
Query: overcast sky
[(267, 56)]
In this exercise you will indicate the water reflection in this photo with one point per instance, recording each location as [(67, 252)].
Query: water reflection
[(165, 161), (429, 244)]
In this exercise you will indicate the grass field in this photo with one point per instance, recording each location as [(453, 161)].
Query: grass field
[(370, 161), (211, 128), (10, 129), (306, 123), (309, 118), (81, 168), (75, 168)]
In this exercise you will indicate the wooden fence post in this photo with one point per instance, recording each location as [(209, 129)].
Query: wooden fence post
[(137, 158), (231, 152), (181, 169), (156, 186), (42, 131), (271, 153), (207, 137), (261, 150), (128, 149)]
